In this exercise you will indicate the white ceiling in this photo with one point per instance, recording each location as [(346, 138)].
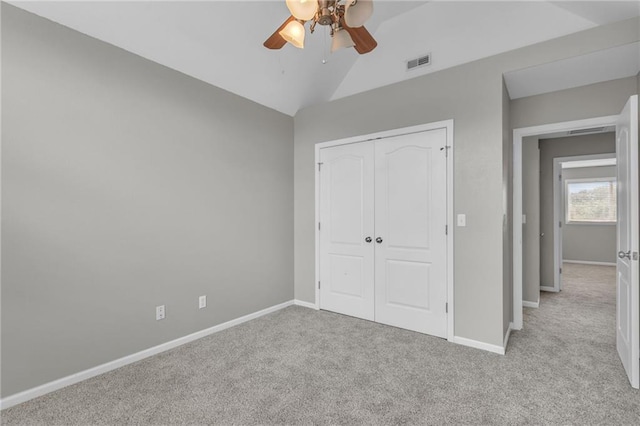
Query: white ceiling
[(220, 42)]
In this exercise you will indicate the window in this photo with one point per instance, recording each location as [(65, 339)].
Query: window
[(591, 200)]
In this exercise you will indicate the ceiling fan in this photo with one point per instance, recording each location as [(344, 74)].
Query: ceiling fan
[(345, 19)]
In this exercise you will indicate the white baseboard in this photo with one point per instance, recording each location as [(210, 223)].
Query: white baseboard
[(528, 304), (548, 288), (305, 304), (478, 345), (588, 262), (21, 397)]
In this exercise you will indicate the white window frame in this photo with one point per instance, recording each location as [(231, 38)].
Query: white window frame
[(566, 200)]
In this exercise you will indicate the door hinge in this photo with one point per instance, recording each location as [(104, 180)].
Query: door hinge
[(560, 270), (318, 226), (446, 308), (319, 165), (560, 224), (559, 177), (446, 230), (318, 284)]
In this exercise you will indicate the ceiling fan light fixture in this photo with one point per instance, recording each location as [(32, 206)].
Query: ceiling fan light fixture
[(294, 34), (327, 13), (357, 12), (304, 10), (341, 39)]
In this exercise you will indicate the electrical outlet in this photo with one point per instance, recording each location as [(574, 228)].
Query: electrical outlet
[(202, 302), (159, 312)]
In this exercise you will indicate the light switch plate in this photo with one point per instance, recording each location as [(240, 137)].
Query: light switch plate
[(462, 219)]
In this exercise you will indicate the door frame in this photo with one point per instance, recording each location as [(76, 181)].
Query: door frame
[(518, 136), (558, 212), (446, 124)]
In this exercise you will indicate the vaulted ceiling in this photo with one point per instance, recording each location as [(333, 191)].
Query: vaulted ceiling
[(220, 42)]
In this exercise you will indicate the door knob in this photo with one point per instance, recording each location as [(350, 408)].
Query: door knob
[(622, 255), (368, 239), (378, 240)]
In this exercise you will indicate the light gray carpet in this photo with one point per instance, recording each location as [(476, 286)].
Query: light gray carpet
[(299, 366)]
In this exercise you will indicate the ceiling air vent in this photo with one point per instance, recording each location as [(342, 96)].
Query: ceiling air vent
[(591, 130), (422, 61)]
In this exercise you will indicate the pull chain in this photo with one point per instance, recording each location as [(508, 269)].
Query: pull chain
[(324, 47)]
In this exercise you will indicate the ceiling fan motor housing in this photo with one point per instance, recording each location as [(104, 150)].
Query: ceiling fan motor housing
[(325, 17)]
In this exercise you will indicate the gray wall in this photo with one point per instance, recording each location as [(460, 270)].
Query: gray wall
[(531, 229), (127, 185), (550, 149), (471, 94), (588, 242), (478, 140), (594, 100)]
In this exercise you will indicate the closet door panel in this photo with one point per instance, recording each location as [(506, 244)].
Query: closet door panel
[(410, 220), (346, 217)]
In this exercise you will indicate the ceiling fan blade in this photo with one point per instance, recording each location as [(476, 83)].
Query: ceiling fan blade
[(276, 41), (364, 41)]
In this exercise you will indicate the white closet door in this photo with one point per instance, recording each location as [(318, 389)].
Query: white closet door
[(346, 217), (410, 220)]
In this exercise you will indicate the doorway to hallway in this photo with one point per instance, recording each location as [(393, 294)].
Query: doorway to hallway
[(627, 305)]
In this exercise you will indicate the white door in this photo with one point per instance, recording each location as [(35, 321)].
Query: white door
[(628, 296), (410, 220), (346, 230)]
